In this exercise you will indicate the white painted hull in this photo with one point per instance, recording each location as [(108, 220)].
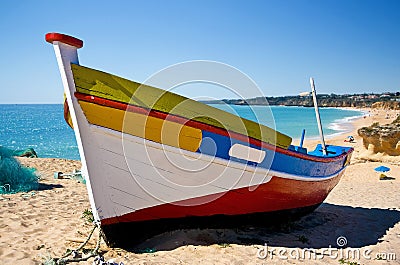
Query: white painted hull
[(133, 173)]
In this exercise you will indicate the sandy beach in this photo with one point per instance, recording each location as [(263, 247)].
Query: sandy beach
[(361, 215)]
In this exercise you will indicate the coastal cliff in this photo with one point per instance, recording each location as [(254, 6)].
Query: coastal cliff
[(382, 138), (395, 105), (381, 101)]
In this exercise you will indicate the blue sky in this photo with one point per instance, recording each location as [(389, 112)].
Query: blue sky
[(347, 46)]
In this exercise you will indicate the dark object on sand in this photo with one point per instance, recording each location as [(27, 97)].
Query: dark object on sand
[(349, 139), (29, 152)]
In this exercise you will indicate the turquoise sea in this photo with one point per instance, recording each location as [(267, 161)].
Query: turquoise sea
[(42, 126), (292, 120)]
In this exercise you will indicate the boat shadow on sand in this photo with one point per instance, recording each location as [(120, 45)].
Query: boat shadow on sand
[(320, 229)]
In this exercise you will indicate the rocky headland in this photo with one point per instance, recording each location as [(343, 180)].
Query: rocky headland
[(382, 138)]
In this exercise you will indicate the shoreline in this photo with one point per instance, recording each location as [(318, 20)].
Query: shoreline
[(374, 115), (362, 209), (348, 123)]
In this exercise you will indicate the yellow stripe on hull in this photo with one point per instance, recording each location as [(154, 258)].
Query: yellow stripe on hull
[(67, 114), (150, 128)]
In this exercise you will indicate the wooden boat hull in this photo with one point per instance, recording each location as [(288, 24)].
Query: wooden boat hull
[(146, 181), (128, 201), (155, 158)]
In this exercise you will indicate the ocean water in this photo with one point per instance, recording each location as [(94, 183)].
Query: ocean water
[(292, 120), (42, 127)]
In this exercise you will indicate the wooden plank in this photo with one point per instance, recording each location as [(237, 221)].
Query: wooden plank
[(97, 83)]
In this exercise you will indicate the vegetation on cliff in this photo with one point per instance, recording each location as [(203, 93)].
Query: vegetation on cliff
[(385, 100)]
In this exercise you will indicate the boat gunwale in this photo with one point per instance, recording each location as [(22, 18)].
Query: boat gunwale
[(197, 124)]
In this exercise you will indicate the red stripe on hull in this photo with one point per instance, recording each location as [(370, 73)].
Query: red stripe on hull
[(277, 194), (202, 126)]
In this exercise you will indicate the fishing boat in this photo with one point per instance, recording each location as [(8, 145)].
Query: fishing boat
[(155, 160)]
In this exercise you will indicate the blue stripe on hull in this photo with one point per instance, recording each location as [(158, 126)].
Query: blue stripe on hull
[(218, 145), (298, 166)]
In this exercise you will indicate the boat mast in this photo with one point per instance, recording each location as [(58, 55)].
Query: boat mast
[(321, 133)]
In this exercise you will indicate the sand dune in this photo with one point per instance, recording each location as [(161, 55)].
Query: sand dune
[(362, 211)]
